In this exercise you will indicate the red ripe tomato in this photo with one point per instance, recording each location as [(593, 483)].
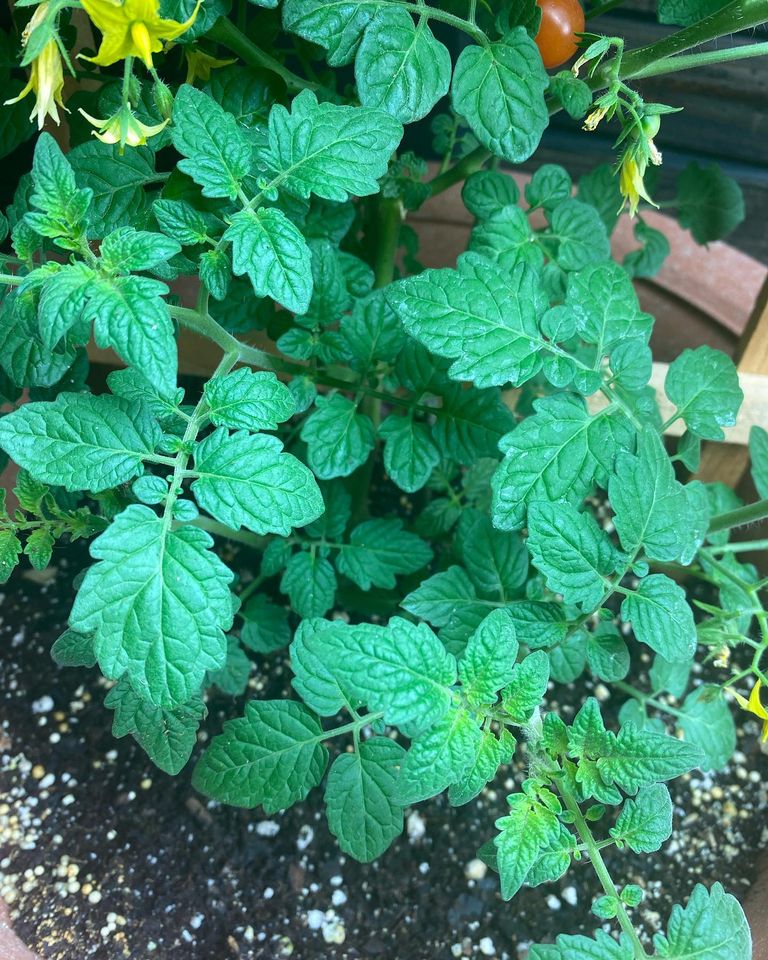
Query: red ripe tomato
[(560, 20)]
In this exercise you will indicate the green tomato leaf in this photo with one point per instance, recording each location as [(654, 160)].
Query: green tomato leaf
[(706, 721), (704, 386), (506, 238), (272, 252), (660, 616), (478, 316), (758, 451), (490, 754), (272, 757), (216, 150), (487, 192), (245, 400), (711, 926), (439, 757), (332, 151), (312, 662), (73, 649), (232, 678), (310, 583), (246, 480), (127, 250), (638, 758), (710, 203), (380, 550), (488, 661), (496, 561), (572, 552), (439, 596), (645, 822), (80, 442), (363, 813), (338, 438), (145, 605), (400, 67), (168, 736), (527, 686), (410, 455), (524, 834), (266, 626), (499, 89), (471, 423), (336, 25), (581, 233)]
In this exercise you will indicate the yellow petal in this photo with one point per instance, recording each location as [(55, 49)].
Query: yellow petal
[(144, 43), (754, 704), (106, 15), (114, 47)]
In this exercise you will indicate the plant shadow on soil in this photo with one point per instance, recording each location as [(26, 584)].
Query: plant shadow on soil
[(103, 856)]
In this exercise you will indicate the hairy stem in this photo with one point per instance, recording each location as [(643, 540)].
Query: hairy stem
[(388, 221), (751, 513), (228, 35), (600, 868), (688, 62)]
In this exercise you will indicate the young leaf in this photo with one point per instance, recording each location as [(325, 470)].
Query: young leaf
[(232, 678), (478, 316), (525, 832), (579, 947), (542, 624), (246, 479), (116, 182), (338, 438), (217, 152), (706, 722), (310, 583), (372, 331), (272, 252), (63, 206), (499, 89), (607, 654), (410, 456), (439, 757), (549, 185), (711, 926), (360, 802), (572, 552), (245, 400), (527, 686), (332, 151), (488, 662), (378, 550), (271, 757), (660, 616), (704, 386), (506, 238), (645, 822), (80, 442), (127, 250), (400, 67), (62, 308), (167, 736), (10, 551), (490, 754), (144, 603)]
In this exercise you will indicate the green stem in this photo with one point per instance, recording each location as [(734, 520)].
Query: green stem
[(228, 35), (675, 64), (743, 546), (459, 171), (239, 536), (734, 16), (600, 869), (351, 727), (645, 698), (388, 224), (127, 73), (433, 13), (751, 513)]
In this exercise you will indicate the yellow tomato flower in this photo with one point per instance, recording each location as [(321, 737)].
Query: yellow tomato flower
[(46, 80), (124, 128), (132, 29), (631, 182), (594, 118), (200, 64), (754, 706)]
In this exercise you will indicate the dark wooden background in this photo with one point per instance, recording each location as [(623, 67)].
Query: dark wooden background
[(725, 120)]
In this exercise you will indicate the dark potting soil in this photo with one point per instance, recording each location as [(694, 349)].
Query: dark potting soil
[(103, 856)]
